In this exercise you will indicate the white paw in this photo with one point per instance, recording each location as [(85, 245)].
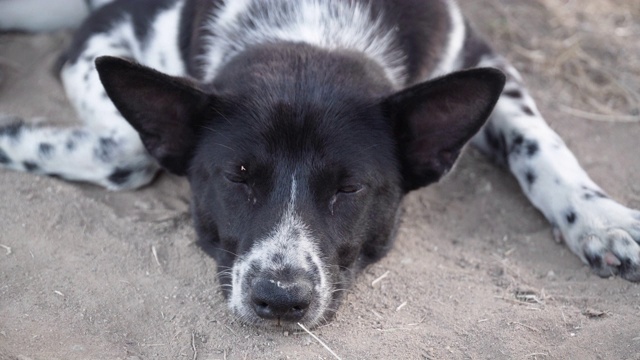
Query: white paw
[(605, 235)]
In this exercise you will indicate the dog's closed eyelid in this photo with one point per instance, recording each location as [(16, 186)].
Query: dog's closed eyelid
[(346, 191), (235, 173), (235, 178), (350, 189)]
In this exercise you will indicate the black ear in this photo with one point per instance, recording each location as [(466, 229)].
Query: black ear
[(435, 119), (165, 110)]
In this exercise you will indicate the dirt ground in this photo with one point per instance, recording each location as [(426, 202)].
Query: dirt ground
[(475, 274)]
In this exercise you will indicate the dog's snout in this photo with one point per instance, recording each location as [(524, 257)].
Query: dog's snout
[(288, 301)]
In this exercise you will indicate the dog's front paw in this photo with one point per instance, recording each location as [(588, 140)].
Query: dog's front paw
[(605, 235)]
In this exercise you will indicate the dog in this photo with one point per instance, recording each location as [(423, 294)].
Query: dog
[(300, 125)]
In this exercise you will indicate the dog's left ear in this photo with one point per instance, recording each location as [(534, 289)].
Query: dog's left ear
[(165, 110), (435, 119)]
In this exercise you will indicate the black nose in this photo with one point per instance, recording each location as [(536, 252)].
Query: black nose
[(273, 299)]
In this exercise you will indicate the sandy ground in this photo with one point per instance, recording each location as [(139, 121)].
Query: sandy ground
[(475, 274)]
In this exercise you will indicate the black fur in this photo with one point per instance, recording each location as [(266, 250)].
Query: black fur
[(30, 166), (531, 178), (12, 130), (527, 110), (4, 158), (45, 149), (590, 193), (105, 149), (120, 176)]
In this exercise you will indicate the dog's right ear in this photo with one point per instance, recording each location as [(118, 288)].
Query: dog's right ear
[(435, 119), (165, 110)]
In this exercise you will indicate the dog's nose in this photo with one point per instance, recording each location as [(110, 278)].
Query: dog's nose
[(273, 299)]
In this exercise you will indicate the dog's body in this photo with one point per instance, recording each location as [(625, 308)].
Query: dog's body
[(300, 125)]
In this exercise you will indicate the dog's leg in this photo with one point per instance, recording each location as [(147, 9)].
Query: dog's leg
[(602, 232), (105, 150), (107, 158)]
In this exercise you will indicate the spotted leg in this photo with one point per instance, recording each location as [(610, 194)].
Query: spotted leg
[(105, 158), (602, 232)]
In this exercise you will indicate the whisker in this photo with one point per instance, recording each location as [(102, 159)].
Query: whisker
[(227, 251), (225, 146), (338, 290), (222, 115)]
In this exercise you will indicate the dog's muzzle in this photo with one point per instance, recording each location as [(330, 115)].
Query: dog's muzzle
[(269, 293), (282, 279)]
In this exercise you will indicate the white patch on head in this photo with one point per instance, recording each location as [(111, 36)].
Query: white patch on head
[(326, 24), (450, 58), (291, 239)]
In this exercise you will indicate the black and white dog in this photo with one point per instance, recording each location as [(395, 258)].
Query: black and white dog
[(300, 125)]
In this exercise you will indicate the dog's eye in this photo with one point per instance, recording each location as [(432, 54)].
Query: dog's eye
[(238, 176), (234, 178), (350, 189), (345, 190)]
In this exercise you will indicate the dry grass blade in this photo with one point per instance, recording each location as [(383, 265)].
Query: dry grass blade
[(525, 326), (193, 346), (6, 248), (320, 341), (401, 306), (374, 282), (155, 254)]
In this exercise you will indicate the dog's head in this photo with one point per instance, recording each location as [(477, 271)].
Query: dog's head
[(297, 167)]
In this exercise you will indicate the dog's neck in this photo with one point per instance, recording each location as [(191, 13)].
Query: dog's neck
[(231, 28)]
